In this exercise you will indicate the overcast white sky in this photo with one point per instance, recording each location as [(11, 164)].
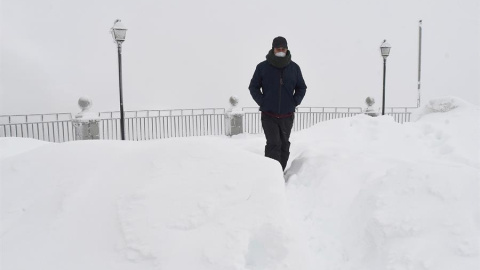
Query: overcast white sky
[(196, 54)]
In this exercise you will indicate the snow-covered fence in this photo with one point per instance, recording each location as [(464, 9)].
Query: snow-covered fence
[(305, 117), (53, 127), (400, 114), (159, 124), (139, 125), (52, 131)]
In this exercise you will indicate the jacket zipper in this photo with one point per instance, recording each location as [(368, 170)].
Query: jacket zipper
[(280, 91)]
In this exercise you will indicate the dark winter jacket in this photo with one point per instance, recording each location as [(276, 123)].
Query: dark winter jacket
[(282, 89)]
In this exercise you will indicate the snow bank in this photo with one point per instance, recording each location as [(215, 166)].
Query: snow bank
[(441, 105), (373, 194), (170, 204), (14, 146)]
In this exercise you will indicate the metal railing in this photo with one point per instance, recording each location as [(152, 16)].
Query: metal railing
[(51, 131), (159, 124), (400, 114), (160, 127), (34, 118), (306, 117)]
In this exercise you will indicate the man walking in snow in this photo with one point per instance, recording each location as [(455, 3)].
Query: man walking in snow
[(278, 87)]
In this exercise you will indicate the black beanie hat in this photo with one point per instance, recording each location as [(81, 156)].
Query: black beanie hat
[(279, 42)]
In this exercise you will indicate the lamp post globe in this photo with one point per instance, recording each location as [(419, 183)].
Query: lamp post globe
[(118, 33), (385, 51)]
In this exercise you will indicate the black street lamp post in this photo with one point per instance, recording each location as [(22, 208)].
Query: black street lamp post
[(385, 50), (118, 32)]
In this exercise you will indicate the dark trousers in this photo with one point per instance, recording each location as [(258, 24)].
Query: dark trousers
[(277, 132)]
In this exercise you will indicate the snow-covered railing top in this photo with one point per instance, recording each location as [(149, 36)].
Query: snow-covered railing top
[(51, 117), (34, 118), (315, 109), (157, 113)]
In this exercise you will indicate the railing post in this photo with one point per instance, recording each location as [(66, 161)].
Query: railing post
[(86, 123), (369, 110), (233, 118)]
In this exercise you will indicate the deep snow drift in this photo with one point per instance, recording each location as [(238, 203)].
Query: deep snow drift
[(361, 193)]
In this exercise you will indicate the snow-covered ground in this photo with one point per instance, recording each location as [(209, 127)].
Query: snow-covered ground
[(361, 193)]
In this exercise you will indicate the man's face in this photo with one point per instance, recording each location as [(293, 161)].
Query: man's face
[(281, 49)]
